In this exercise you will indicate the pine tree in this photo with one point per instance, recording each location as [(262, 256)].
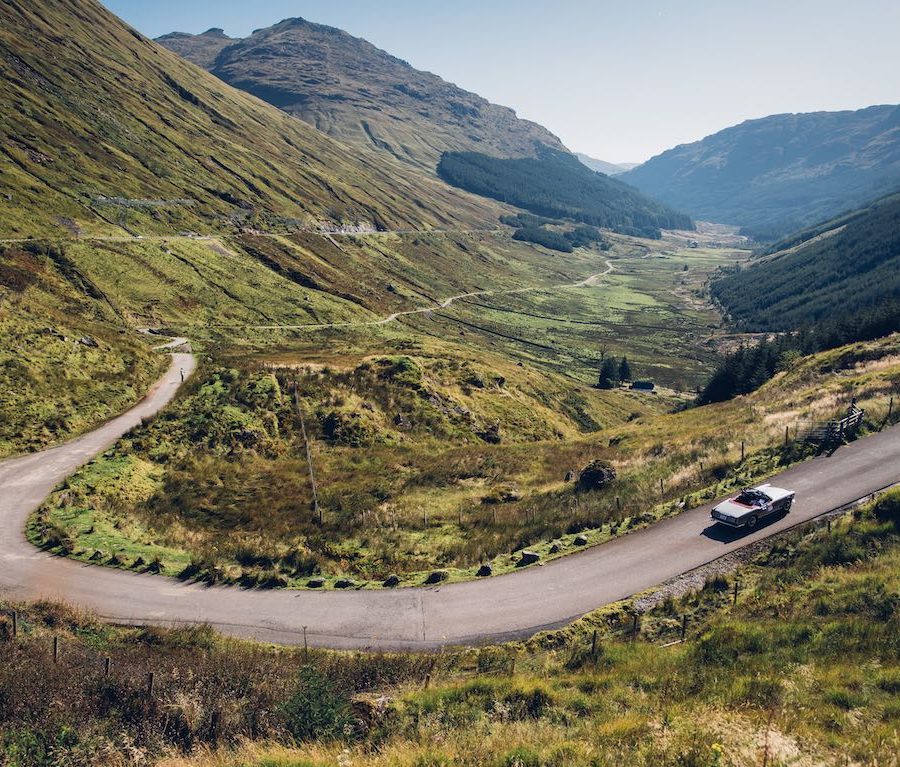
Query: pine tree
[(624, 370), (609, 374)]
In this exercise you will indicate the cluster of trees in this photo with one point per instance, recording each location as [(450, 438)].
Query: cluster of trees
[(825, 293), (564, 242), (613, 372), (748, 368), (554, 184)]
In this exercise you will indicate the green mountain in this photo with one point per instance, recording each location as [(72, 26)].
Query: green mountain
[(113, 129), (780, 173), (351, 90), (556, 184), (848, 267)]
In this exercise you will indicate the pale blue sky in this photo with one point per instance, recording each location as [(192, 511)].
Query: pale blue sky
[(618, 79)]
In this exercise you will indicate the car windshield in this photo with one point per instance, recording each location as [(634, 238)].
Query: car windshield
[(752, 497)]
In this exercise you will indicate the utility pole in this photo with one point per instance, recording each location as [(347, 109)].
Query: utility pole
[(312, 477)]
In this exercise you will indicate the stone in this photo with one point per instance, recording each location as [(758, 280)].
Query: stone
[(436, 577), (88, 341), (581, 540), (570, 476), (391, 582), (345, 583), (315, 583), (485, 571), (529, 558), (596, 476), (555, 548)]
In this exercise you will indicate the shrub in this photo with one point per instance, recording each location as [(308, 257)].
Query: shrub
[(887, 509), (316, 710)]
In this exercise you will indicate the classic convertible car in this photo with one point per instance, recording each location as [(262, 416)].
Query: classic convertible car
[(747, 508)]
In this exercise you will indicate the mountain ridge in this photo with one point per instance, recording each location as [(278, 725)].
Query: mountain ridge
[(352, 90), (113, 130), (776, 174)]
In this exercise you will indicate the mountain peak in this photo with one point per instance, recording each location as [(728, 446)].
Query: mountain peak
[(352, 90)]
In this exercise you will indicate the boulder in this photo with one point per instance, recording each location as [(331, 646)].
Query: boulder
[(391, 582), (345, 583), (315, 583), (529, 558), (570, 476), (596, 476), (436, 577), (88, 341), (581, 540), (485, 571), (555, 548)]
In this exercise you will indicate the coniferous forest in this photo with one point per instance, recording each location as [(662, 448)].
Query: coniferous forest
[(556, 185)]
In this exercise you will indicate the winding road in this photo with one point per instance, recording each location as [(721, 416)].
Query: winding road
[(506, 607), (490, 610)]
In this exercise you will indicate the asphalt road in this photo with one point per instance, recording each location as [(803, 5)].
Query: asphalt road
[(495, 609)]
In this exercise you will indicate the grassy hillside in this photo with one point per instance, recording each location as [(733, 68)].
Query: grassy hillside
[(68, 360), (102, 129), (842, 268), (556, 184), (804, 669), (775, 175), (351, 90)]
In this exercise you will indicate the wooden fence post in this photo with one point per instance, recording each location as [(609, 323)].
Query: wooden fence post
[(618, 503), (786, 435), (151, 679), (661, 490), (305, 646), (634, 627), (56, 649), (594, 644), (890, 409), (107, 666), (743, 453), (683, 626), (15, 620), (317, 510), (735, 592)]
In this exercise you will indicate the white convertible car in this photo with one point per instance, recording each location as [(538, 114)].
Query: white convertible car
[(747, 508)]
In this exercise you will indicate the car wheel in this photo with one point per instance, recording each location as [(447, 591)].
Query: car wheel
[(751, 523), (787, 506)]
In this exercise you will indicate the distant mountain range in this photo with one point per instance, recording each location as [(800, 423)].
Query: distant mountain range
[(780, 173), (602, 166), (353, 91)]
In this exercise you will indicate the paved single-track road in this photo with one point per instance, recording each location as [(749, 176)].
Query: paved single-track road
[(494, 609)]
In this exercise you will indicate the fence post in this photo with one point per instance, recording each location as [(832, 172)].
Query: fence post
[(683, 626), (15, 620), (618, 503), (890, 409), (661, 490), (634, 627), (151, 679), (743, 453), (56, 649), (594, 644), (735, 592), (305, 647), (107, 666), (786, 435)]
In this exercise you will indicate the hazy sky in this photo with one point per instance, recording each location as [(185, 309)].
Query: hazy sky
[(618, 79)]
